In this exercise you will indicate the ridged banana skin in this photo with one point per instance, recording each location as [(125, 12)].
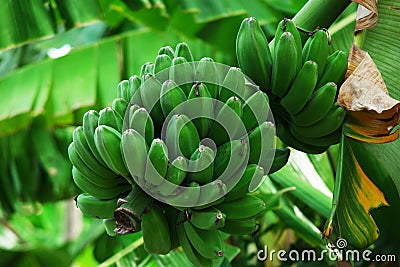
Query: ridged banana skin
[(287, 25), (251, 177), (255, 110), (171, 97), (134, 90), (167, 50), (182, 138), (335, 68), (157, 162), (301, 89), (95, 207), (284, 133), (85, 153), (281, 157), (203, 106), (147, 68), (109, 117), (176, 173), (128, 120), (207, 219), (285, 65), (207, 74), (203, 161), (184, 197), (247, 207), (232, 85), (239, 227), (208, 243), (316, 49), (182, 50), (211, 194), (261, 141), (326, 140), (327, 125), (190, 252), (90, 122), (134, 149), (161, 65), (155, 229), (150, 93), (120, 105), (317, 107), (108, 143), (182, 73), (253, 54), (90, 175), (100, 192), (142, 123), (123, 90)]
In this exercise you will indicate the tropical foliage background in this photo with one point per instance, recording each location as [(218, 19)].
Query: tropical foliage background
[(59, 58)]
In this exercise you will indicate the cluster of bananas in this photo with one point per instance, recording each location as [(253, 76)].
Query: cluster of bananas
[(147, 163), (302, 82)]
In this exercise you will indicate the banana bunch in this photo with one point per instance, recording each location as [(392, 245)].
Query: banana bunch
[(301, 81), (177, 155)]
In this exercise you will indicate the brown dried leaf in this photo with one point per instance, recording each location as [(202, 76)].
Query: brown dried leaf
[(367, 14), (372, 112)]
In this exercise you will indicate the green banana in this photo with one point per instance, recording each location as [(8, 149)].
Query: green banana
[(327, 125), (232, 85), (326, 140), (109, 225), (128, 122), (84, 152), (247, 207), (208, 243), (255, 110), (95, 207), (161, 67), (207, 219), (171, 97), (108, 143), (201, 109), (134, 90), (123, 90), (249, 181), (157, 162), (301, 89), (228, 124), (317, 49), (120, 105), (147, 68), (172, 216), (285, 64), (253, 54), (239, 227), (176, 173), (318, 106), (141, 122), (109, 117), (134, 150), (150, 91), (281, 157), (90, 122), (211, 194), (182, 138), (201, 165), (184, 197), (261, 141), (335, 69), (182, 73), (167, 50), (287, 25), (207, 74), (187, 247), (100, 192), (183, 50), (156, 233)]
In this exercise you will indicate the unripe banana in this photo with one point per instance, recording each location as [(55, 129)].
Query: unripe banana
[(207, 219), (155, 228), (143, 124), (134, 90), (109, 225), (285, 64), (183, 50), (120, 105), (253, 54), (184, 197), (247, 207), (123, 90), (326, 140), (150, 91), (281, 157), (208, 243), (317, 107), (207, 74), (147, 68), (232, 85), (301, 89), (171, 97), (95, 207), (182, 73), (335, 69), (211, 194), (108, 143), (157, 162), (261, 142), (202, 161), (317, 49), (167, 50), (176, 173), (162, 64), (255, 110), (239, 227), (90, 122), (182, 138), (109, 117)]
